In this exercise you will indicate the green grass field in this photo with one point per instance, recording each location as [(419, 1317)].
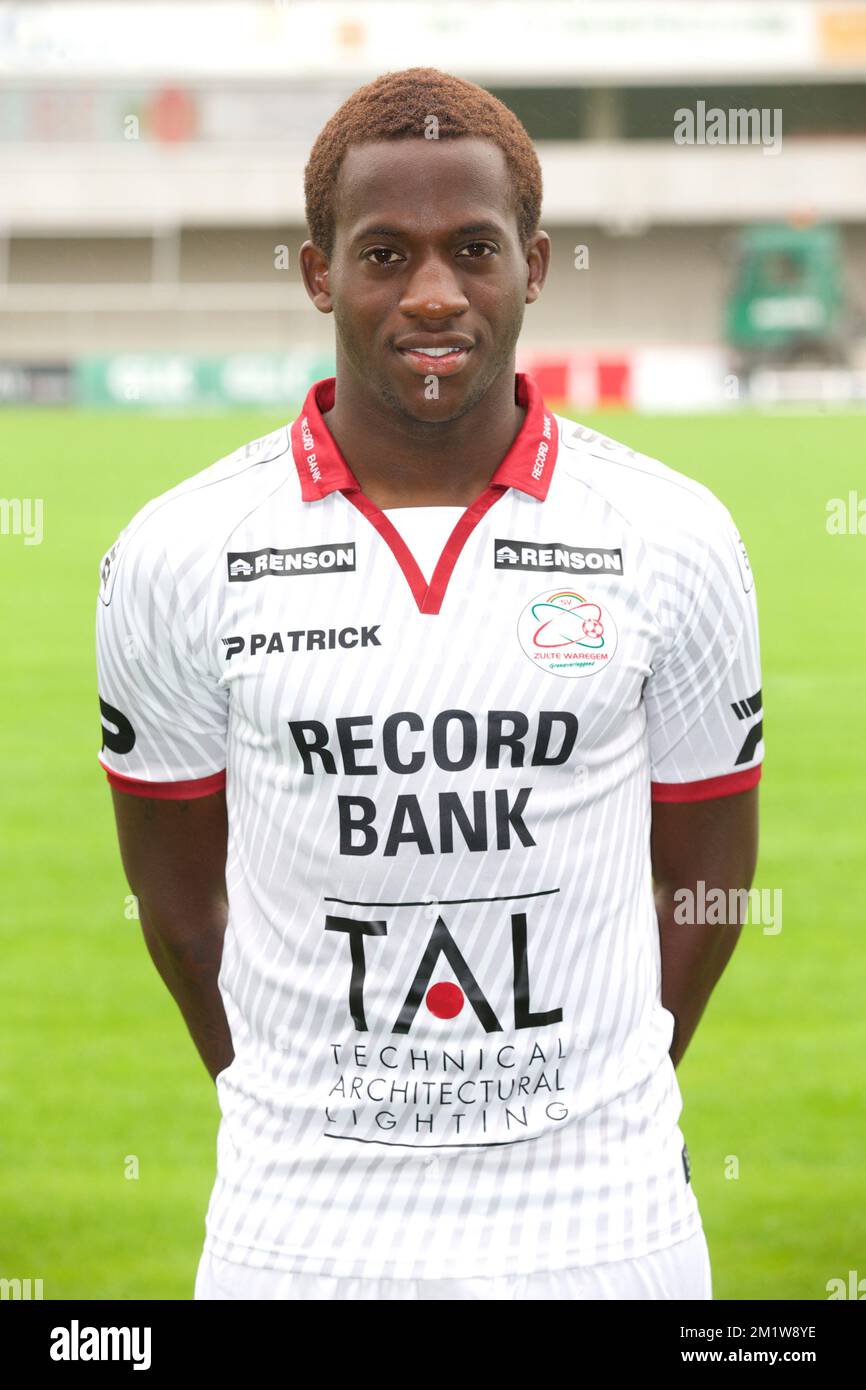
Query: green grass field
[(95, 1061)]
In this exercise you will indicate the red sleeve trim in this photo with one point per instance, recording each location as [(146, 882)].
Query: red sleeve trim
[(167, 791), (709, 788)]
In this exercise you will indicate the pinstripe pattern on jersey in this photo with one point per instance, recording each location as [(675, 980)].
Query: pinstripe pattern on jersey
[(473, 1143)]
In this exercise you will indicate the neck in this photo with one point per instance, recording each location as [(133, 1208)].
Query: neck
[(401, 462)]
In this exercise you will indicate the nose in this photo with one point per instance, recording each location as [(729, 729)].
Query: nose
[(434, 291)]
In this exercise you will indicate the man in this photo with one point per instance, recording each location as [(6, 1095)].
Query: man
[(385, 695)]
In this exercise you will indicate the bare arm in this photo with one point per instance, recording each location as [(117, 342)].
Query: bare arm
[(174, 855), (717, 842)]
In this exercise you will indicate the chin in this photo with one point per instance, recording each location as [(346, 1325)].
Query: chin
[(414, 405)]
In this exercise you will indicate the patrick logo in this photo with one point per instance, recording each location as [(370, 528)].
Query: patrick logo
[(567, 634)]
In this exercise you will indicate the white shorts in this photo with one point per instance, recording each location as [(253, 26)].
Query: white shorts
[(681, 1271)]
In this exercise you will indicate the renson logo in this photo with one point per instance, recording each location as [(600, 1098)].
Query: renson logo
[(573, 559), (246, 565)]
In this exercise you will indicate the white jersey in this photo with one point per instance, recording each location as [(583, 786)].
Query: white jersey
[(441, 966)]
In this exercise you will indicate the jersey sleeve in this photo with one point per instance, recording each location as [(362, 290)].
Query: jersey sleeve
[(703, 698), (164, 715)]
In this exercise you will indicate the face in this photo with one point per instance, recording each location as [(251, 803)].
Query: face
[(428, 279)]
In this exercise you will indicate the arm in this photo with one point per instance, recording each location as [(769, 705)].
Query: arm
[(174, 855), (164, 729), (716, 842)]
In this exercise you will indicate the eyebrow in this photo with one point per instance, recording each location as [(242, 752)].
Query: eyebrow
[(469, 229)]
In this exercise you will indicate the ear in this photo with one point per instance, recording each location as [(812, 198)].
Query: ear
[(538, 264), (313, 265)]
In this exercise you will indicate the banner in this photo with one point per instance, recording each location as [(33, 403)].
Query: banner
[(29, 383), (183, 381)]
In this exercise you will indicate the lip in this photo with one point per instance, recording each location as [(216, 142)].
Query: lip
[(448, 364)]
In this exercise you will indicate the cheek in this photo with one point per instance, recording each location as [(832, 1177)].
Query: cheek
[(504, 295), (359, 312), (507, 306), (348, 320)]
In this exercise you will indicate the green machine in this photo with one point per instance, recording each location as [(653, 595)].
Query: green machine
[(787, 304)]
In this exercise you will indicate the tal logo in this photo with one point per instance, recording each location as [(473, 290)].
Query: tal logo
[(446, 999)]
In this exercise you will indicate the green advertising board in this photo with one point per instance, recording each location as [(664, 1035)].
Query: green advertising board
[(184, 381)]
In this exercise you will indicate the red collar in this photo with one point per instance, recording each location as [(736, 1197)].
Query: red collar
[(528, 465)]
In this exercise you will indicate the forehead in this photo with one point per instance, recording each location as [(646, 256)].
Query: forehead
[(428, 183)]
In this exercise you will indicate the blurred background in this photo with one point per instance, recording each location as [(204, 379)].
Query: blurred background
[(151, 162), (704, 170)]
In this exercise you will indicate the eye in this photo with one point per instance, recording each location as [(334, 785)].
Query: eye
[(473, 246), (380, 251)]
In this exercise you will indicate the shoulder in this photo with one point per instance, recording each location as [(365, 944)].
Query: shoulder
[(673, 515), (186, 525)]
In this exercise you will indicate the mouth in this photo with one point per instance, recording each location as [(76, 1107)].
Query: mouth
[(434, 361)]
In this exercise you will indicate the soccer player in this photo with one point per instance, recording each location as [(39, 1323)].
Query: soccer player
[(421, 715)]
